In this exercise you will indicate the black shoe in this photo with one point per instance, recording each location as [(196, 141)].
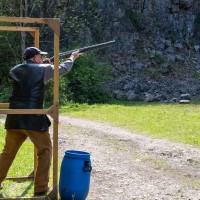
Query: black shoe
[(40, 193)]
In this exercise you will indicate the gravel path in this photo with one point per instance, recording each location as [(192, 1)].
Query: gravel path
[(127, 166)]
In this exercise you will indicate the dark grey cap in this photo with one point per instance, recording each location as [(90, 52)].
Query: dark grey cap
[(30, 52)]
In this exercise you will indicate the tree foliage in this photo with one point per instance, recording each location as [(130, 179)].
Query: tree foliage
[(86, 82), (80, 26)]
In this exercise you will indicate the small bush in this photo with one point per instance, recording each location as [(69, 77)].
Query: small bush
[(134, 18), (5, 93), (87, 79), (85, 83)]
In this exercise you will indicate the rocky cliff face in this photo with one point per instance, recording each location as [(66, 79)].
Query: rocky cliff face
[(156, 56)]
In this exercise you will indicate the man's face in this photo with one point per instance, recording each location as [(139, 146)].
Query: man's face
[(38, 59)]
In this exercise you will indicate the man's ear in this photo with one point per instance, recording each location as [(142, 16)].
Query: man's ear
[(36, 59)]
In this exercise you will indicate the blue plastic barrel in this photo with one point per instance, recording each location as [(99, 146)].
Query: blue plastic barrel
[(75, 175)]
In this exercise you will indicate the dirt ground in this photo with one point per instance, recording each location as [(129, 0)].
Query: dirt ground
[(128, 166)]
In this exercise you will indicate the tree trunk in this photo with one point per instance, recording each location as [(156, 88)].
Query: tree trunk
[(23, 13)]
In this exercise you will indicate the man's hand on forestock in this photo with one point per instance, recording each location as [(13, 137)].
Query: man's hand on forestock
[(76, 54)]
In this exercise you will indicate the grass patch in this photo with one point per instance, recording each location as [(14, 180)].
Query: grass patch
[(22, 166), (176, 122)]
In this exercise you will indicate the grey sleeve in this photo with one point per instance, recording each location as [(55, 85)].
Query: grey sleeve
[(64, 68)]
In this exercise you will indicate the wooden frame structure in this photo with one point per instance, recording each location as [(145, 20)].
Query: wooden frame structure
[(54, 24), (34, 31)]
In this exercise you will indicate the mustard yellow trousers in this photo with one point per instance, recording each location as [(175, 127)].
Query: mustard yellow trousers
[(14, 139)]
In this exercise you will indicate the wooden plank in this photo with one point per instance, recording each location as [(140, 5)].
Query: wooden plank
[(56, 100), (37, 44), (23, 111), (24, 178), (54, 25), (18, 28), (37, 38), (30, 176), (22, 19), (48, 21), (24, 198), (34, 31), (53, 112), (4, 105)]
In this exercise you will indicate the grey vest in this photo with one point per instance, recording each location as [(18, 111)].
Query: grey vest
[(28, 93)]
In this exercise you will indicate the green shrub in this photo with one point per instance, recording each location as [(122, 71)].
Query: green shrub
[(84, 83), (5, 93), (87, 79), (134, 18), (49, 94), (158, 59)]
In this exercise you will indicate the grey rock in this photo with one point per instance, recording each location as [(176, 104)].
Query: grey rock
[(186, 4), (144, 87), (131, 96), (161, 46), (165, 68), (196, 48), (174, 9), (165, 28), (197, 67), (148, 97), (168, 43), (160, 97), (184, 101), (174, 100), (129, 86), (169, 50), (185, 96), (159, 53), (178, 46), (152, 53), (171, 58), (119, 95), (139, 66), (179, 58)]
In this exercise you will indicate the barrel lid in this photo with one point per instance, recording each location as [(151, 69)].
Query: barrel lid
[(77, 154)]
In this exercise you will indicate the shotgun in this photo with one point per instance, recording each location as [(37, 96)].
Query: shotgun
[(84, 49)]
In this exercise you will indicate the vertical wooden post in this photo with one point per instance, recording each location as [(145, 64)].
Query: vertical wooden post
[(56, 102), (37, 38), (36, 44)]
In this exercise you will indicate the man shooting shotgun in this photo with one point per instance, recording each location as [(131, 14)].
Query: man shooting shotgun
[(84, 49), (28, 83), (28, 87)]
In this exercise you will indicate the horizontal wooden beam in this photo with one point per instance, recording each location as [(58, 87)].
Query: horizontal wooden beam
[(23, 178), (18, 28), (53, 23), (23, 111), (24, 198), (22, 19), (52, 111), (4, 105)]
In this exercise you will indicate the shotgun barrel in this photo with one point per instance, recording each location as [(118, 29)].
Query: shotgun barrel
[(85, 49)]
